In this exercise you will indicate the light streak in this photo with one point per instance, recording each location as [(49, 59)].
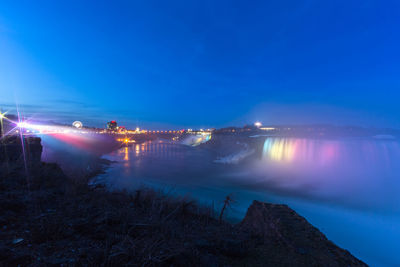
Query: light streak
[(23, 150), (23, 124)]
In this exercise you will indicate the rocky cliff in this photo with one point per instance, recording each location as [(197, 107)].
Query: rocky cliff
[(289, 240)]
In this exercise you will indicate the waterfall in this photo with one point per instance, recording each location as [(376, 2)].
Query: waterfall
[(342, 169)]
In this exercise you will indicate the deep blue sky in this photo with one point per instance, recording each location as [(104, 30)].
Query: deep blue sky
[(202, 63)]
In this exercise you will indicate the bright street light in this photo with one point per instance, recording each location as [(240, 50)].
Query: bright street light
[(258, 124)]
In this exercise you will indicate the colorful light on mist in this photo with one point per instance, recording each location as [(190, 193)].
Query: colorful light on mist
[(78, 138), (300, 150)]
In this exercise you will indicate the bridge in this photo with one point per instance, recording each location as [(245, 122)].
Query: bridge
[(142, 136)]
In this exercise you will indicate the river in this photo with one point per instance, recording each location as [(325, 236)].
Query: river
[(348, 188)]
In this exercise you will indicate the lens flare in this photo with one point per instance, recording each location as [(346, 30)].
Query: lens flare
[(23, 124)]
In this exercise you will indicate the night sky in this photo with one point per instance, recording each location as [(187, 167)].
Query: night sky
[(202, 63)]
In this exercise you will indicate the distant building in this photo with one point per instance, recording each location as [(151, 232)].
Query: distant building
[(112, 126), (121, 129)]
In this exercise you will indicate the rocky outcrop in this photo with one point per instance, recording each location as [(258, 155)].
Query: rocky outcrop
[(290, 240)]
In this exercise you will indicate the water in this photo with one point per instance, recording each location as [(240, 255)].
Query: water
[(349, 189), (355, 172)]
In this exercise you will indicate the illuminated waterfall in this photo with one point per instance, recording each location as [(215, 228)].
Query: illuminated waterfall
[(348, 170), (195, 140), (328, 152), (292, 150)]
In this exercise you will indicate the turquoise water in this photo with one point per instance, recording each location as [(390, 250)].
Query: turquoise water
[(347, 188)]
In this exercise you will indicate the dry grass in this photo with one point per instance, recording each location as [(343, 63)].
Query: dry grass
[(64, 221)]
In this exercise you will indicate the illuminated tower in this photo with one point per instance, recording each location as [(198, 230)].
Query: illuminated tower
[(112, 126)]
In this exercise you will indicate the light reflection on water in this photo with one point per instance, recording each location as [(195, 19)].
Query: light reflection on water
[(160, 163), (126, 154), (347, 188)]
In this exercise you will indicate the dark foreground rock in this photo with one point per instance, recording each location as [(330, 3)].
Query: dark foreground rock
[(47, 219), (288, 239), (11, 149)]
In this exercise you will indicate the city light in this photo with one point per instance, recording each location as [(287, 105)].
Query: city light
[(124, 136), (22, 124), (268, 128), (258, 124)]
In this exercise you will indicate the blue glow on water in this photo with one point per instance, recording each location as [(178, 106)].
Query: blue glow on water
[(346, 188)]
